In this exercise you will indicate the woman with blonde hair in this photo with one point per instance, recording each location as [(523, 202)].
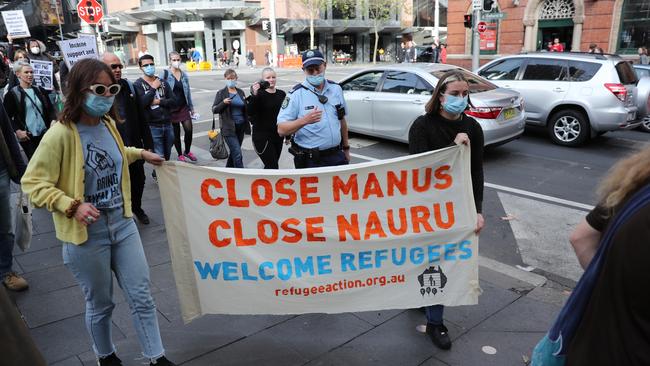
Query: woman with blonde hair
[(606, 320)]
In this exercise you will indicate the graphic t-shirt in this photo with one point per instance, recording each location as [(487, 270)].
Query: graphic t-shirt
[(103, 166)]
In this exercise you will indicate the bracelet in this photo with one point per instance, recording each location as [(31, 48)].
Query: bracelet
[(345, 147), (72, 209)]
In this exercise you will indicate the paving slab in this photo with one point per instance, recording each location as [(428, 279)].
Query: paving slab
[(72, 361), (523, 315), (37, 260), (49, 279), (40, 309), (378, 317)]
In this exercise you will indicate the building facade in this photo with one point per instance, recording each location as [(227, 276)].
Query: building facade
[(616, 26)]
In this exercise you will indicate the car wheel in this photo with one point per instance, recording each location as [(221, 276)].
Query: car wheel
[(568, 128), (645, 125)]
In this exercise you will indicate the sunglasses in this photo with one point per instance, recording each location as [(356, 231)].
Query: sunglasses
[(117, 66), (100, 89)]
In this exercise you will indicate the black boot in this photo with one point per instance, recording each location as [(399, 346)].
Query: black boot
[(110, 360), (439, 336), (162, 361)]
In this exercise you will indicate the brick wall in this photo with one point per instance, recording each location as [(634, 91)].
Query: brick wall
[(598, 24)]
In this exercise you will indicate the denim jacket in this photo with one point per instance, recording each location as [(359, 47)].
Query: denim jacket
[(168, 76)]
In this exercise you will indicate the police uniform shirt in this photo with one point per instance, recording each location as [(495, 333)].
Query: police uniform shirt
[(323, 134)]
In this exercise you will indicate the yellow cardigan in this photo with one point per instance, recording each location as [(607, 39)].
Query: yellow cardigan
[(55, 177)]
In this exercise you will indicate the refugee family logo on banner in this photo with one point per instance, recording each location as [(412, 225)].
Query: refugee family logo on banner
[(380, 235), (43, 73)]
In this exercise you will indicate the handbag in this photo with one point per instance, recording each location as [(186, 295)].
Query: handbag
[(22, 220), (218, 147)]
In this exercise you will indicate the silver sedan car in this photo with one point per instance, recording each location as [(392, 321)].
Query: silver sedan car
[(384, 101)]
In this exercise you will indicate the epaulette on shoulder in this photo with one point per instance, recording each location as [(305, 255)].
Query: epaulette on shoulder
[(296, 87), (332, 82)]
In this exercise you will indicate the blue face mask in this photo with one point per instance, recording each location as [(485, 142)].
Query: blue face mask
[(316, 80), (149, 70), (454, 104), (231, 83), (97, 105)]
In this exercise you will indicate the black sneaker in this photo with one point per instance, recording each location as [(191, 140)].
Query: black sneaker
[(142, 217), (110, 360), (162, 361), (439, 336)]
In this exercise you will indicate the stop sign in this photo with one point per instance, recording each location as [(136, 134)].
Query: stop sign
[(481, 27), (90, 11)]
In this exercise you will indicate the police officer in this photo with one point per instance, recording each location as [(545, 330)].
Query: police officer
[(314, 113)]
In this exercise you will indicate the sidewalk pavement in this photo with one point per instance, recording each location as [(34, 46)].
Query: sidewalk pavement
[(514, 311)]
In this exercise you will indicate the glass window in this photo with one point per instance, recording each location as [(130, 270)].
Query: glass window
[(504, 70), (635, 26), (476, 83), (641, 73), (626, 73), (363, 82), (546, 69), (405, 83), (582, 71)]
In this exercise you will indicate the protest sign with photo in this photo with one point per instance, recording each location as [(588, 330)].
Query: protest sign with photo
[(77, 49), (43, 73), (16, 24), (391, 234)]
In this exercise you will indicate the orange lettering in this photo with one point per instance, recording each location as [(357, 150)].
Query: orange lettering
[(402, 221), (281, 188), (205, 191), (232, 195), (373, 226), (372, 187), (394, 182), (312, 230), (350, 227), (339, 186), (441, 174), (420, 216), (261, 231), (451, 219), (307, 187), (267, 189), (297, 235), (212, 233), (416, 180), (239, 235)]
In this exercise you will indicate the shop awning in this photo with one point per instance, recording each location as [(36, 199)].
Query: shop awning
[(120, 28), (184, 10)]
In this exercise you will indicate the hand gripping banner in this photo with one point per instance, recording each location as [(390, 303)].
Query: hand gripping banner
[(390, 234)]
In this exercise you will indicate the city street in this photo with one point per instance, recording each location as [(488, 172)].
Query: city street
[(535, 193)]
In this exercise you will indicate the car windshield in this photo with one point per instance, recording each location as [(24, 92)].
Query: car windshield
[(476, 83)]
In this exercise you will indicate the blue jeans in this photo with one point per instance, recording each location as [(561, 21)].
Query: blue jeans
[(6, 229), (163, 139), (114, 246), (434, 314), (235, 158)]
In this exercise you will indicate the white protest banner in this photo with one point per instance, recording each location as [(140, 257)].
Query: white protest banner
[(390, 234), (16, 24), (43, 73), (77, 49)]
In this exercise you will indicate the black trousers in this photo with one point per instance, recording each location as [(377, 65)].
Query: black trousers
[(269, 150), (30, 145), (337, 158), (136, 172)]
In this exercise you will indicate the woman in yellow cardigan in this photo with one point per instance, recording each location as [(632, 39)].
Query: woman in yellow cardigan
[(80, 173)]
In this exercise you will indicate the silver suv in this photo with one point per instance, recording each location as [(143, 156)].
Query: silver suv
[(575, 95)]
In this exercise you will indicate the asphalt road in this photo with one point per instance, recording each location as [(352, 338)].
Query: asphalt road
[(535, 191)]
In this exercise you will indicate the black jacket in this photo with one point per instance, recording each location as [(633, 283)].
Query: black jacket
[(146, 94), (16, 107), (10, 149), (225, 117), (134, 130)]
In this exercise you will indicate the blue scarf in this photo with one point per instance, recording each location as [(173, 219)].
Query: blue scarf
[(551, 350)]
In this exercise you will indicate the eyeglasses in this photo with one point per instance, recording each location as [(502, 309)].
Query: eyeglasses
[(117, 66), (100, 89)]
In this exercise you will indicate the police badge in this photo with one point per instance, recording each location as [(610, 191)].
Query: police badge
[(285, 102)]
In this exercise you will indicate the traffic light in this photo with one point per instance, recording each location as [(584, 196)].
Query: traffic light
[(266, 26), (487, 5), (467, 20)]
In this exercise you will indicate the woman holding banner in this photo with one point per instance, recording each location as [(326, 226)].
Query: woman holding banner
[(29, 109), (80, 173), (444, 124)]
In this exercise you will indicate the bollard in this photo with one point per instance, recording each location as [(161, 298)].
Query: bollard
[(16, 345)]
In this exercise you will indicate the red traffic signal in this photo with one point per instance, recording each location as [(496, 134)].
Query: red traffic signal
[(467, 21)]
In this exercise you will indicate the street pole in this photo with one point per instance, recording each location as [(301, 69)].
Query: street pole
[(476, 41), (58, 17), (274, 34), (436, 20)]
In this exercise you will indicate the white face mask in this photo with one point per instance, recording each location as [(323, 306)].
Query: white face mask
[(176, 64), (35, 50)]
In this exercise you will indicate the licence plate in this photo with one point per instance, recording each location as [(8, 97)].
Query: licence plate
[(509, 113), (631, 116)]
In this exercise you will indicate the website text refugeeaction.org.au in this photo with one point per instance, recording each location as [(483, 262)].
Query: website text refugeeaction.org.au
[(341, 285)]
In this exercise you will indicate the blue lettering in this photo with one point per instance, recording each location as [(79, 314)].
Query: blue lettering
[(398, 262), (230, 271), (449, 251), (380, 255), (306, 266), (324, 265), (284, 269), (206, 270), (365, 260), (417, 255), (466, 249), (434, 253), (263, 274), (347, 261), (244, 273)]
